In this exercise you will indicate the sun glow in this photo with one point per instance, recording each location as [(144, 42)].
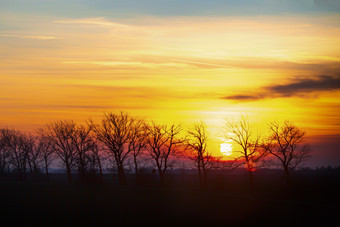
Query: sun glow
[(226, 148)]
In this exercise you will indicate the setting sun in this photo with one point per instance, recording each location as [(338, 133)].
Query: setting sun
[(226, 148)]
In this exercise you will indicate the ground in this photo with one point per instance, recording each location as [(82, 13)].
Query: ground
[(309, 200)]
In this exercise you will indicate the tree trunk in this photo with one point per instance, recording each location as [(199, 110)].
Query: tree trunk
[(136, 168), (100, 170), (161, 173), (251, 179), (287, 174), (205, 181), (121, 175), (69, 173), (200, 175), (35, 169), (31, 169), (161, 178), (250, 173), (81, 169), (46, 170)]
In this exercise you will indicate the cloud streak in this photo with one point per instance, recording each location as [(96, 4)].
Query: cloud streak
[(41, 37), (99, 21), (297, 87)]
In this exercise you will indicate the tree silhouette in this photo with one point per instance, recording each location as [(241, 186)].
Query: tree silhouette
[(137, 142), (46, 151), (115, 132), (19, 147), (285, 144), (163, 142), (4, 152), (95, 159), (197, 146), (34, 154), (240, 132), (83, 144), (59, 134)]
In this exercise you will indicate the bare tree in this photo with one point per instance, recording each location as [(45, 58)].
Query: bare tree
[(47, 153), (285, 144), (115, 132), (19, 147), (83, 144), (35, 154), (46, 150), (59, 134), (137, 142), (163, 142), (241, 133), (197, 141), (4, 152), (95, 159)]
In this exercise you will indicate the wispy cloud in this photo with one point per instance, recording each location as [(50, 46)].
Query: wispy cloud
[(152, 63), (127, 64), (297, 87), (42, 37), (201, 63), (140, 92), (101, 21)]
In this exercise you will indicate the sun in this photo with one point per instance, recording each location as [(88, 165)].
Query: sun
[(226, 148)]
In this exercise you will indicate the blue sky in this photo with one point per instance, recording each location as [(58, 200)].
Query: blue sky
[(133, 8)]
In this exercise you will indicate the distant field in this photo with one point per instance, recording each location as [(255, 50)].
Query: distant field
[(311, 199)]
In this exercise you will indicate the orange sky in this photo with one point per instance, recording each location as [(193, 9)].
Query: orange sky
[(172, 68)]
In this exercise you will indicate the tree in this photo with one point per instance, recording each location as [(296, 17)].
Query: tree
[(34, 155), (95, 160), (137, 142), (83, 144), (163, 142), (4, 152), (19, 147), (47, 153), (46, 150), (197, 146), (285, 144), (115, 132), (240, 132), (60, 135)]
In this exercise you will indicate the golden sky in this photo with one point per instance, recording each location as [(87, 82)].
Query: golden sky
[(181, 68)]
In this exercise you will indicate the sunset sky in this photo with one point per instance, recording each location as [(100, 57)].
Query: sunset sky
[(174, 61)]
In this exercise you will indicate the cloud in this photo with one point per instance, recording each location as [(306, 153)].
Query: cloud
[(135, 92), (76, 106), (296, 88), (128, 64), (322, 83), (100, 21), (244, 97), (41, 37), (197, 63)]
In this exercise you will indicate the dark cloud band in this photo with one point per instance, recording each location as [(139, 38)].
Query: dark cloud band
[(296, 88)]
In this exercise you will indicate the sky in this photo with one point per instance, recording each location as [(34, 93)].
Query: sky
[(175, 61)]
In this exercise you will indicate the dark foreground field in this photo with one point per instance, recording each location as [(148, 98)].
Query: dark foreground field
[(312, 199)]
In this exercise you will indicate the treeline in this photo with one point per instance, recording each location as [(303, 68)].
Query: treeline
[(121, 139)]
